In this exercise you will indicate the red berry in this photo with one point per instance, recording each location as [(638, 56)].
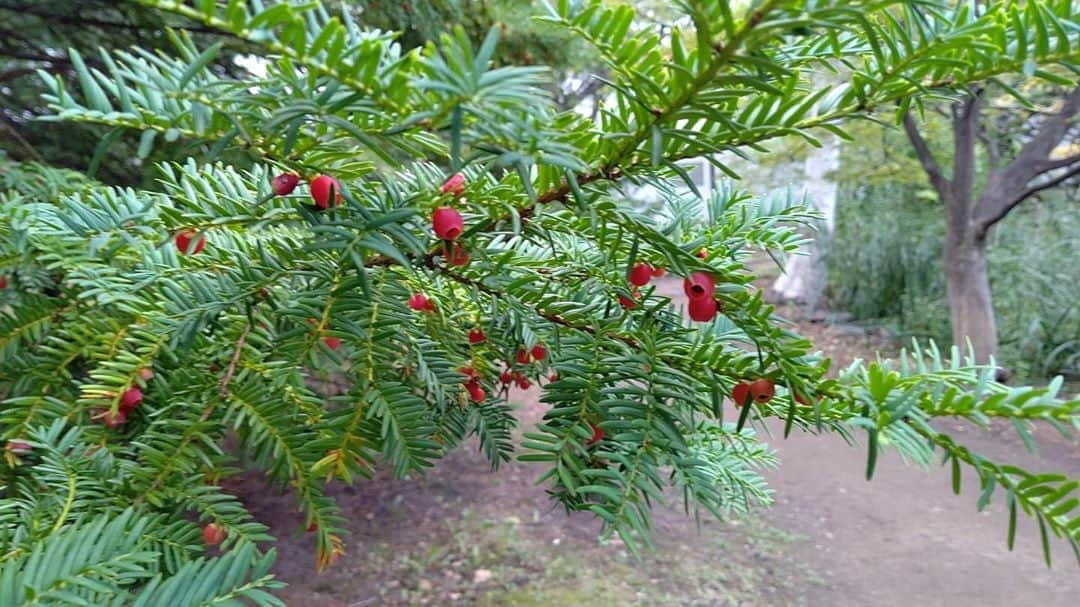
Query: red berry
[(322, 187), (332, 342), (476, 392), (476, 336), (597, 435), (761, 390), (658, 272), (703, 253), (113, 421), (702, 309), (553, 377), (628, 302), (131, 398), (284, 184), (524, 383), (312, 527), (802, 400), (699, 284), (506, 377), (523, 356), (539, 352), (640, 274), (741, 393), (459, 256), (469, 372), (455, 185), (183, 242), (447, 223), (213, 535), (18, 447), (146, 373), (3, 282), (421, 303)]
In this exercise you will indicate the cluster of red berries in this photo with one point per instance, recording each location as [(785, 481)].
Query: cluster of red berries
[(525, 357), (129, 401), (701, 290), (760, 391), (472, 385), (699, 287), (325, 192)]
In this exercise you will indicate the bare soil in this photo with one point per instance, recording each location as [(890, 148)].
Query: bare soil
[(465, 535)]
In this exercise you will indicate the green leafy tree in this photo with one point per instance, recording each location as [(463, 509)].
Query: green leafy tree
[(141, 327)]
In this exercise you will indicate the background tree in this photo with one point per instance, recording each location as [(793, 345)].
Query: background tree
[(426, 223), (1044, 158), (36, 35)]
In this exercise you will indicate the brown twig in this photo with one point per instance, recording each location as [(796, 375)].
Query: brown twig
[(235, 360)]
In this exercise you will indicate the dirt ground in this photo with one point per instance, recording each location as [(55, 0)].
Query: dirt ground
[(464, 535)]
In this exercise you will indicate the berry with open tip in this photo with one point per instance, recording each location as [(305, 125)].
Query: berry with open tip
[(762, 390), (699, 285)]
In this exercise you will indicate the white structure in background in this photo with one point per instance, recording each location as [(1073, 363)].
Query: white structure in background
[(804, 278)]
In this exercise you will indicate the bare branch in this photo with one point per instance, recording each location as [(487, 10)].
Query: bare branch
[(926, 157), (1004, 207), (1009, 187), (1057, 163)]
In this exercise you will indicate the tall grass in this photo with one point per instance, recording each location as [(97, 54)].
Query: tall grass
[(884, 265)]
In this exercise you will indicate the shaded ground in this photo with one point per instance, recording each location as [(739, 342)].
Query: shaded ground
[(463, 535)]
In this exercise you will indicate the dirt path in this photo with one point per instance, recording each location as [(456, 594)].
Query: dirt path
[(463, 535), (904, 538)]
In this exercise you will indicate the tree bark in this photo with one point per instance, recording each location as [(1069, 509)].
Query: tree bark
[(967, 285)]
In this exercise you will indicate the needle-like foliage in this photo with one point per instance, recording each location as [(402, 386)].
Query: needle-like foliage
[(225, 341)]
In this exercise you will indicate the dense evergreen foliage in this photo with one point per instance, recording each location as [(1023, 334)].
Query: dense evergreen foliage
[(141, 328)]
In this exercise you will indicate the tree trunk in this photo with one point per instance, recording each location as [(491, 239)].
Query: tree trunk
[(968, 288)]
